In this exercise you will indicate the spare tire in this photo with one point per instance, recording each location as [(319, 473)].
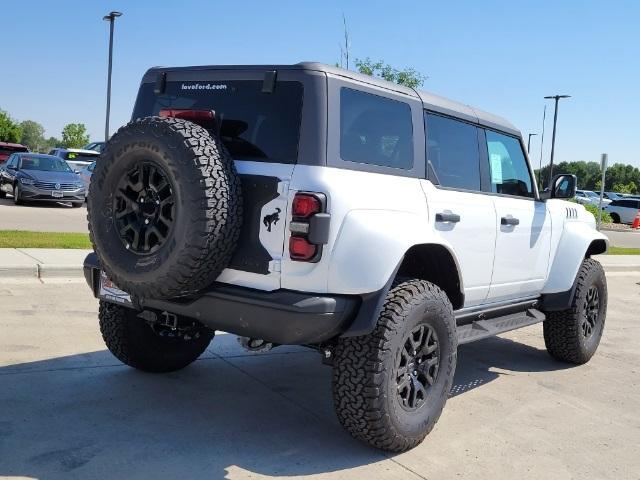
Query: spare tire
[(164, 208)]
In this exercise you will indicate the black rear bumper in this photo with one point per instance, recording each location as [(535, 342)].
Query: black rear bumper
[(281, 316)]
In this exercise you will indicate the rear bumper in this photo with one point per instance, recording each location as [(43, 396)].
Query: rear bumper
[(281, 316)]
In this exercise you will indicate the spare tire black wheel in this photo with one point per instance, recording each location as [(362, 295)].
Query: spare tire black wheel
[(164, 208)]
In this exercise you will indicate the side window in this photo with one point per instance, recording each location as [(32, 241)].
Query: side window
[(375, 130), (508, 166), (452, 152)]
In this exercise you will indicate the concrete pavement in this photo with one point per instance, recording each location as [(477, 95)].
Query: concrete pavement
[(70, 410), (42, 217)]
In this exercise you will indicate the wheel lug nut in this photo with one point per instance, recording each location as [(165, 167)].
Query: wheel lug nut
[(146, 222), (415, 372)]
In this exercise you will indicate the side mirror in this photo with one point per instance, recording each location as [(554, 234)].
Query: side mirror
[(562, 186)]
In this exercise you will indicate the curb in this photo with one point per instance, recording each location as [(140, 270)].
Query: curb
[(41, 271)]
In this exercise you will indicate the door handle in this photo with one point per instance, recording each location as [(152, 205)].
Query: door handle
[(447, 217), (509, 220)]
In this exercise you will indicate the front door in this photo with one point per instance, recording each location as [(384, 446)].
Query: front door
[(523, 223)]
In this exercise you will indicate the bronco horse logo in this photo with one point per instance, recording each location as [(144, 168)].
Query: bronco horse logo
[(271, 219)]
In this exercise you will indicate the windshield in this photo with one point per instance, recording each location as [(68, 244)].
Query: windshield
[(254, 125), (591, 194), (45, 164)]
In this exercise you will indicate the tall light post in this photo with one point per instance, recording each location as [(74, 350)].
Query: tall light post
[(553, 137), (529, 142), (111, 18)]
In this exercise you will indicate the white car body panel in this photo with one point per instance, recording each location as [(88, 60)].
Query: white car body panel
[(626, 214)]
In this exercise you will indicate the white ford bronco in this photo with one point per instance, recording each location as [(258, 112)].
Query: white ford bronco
[(310, 205)]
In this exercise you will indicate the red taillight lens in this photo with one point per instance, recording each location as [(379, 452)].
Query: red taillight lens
[(301, 249), (305, 205), (205, 118)]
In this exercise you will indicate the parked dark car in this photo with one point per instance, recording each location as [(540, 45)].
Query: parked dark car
[(97, 146), (38, 177), (6, 149)]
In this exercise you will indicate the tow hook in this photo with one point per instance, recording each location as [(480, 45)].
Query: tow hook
[(255, 344), (169, 320)]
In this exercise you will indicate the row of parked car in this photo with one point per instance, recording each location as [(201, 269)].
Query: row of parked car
[(623, 208), (62, 175)]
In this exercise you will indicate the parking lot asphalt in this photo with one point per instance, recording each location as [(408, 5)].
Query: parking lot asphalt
[(629, 239), (68, 409), (42, 217)]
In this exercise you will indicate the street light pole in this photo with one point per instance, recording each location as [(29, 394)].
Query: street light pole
[(111, 18), (553, 136), (529, 142)]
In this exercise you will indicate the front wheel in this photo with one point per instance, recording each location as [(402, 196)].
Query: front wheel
[(615, 218), (389, 387), (573, 335), (17, 196), (150, 347)]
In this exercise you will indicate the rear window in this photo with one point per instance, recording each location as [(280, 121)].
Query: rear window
[(80, 157), (254, 125)]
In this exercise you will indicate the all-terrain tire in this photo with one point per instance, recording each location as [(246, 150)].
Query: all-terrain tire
[(367, 370), (573, 335), (203, 198), (3, 194), (135, 343)]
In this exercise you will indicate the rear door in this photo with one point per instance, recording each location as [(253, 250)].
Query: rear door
[(523, 224), (462, 215), (259, 118)]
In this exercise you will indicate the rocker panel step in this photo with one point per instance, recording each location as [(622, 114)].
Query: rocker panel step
[(481, 329)]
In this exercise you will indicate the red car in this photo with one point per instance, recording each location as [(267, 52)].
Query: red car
[(7, 149)]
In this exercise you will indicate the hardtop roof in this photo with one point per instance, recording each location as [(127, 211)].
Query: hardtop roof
[(430, 101)]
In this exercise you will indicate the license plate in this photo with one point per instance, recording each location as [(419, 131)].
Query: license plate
[(109, 291), (57, 194)]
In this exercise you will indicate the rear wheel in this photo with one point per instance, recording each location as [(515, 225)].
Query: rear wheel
[(149, 346), (389, 387), (77, 204), (573, 335)]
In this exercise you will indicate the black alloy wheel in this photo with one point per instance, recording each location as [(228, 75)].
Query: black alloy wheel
[(417, 366), (144, 210)]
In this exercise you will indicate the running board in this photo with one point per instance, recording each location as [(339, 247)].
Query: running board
[(481, 329)]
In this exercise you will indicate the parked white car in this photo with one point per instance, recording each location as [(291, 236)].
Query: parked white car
[(590, 197), (624, 210)]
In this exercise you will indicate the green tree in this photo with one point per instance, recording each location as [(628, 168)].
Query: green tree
[(74, 135), (51, 142), (32, 135), (10, 131), (409, 77), (619, 178)]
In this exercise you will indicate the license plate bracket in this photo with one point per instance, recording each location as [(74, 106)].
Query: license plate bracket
[(109, 291), (57, 194)]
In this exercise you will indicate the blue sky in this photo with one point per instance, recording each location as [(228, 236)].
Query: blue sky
[(501, 56)]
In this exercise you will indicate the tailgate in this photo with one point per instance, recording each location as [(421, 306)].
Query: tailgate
[(257, 259)]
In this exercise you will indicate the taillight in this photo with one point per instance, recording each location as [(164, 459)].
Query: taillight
[(305, 205), (204, 118), (309, 227), (301, 249)]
